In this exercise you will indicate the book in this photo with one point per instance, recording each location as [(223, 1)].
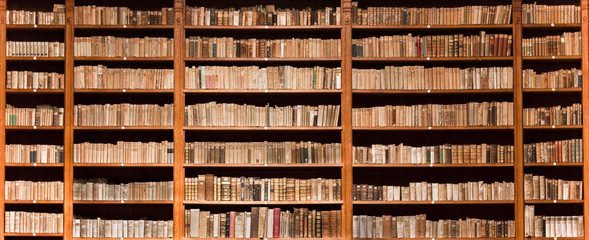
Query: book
[(32, 222), (36, 154), (566, 44), (552, 226), (103, 77), (123, 114), (34, 49), (110, 46), (29, 190), (563, 78), (537, 187), (55, 17), (554, 115), (42, 115), (560, 151), (34, 80), (124, 152), (102, 15), (101, 190), (549, 14), (107, 228)]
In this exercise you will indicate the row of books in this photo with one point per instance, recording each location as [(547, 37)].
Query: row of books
[(263, 152), (255, 77), (216, 188), (34, 49), (29, 190), (555, 115), (440, 154), (100, 15), (42, 115), (55, 17), (21, 153), (259, 15), (552, 226), (422, 78), (110, 46), (424, 191), (435, 115), (233, 115), (541, 188), (106, 228), (101, 190), (457, 45), (567, 44), (34, 80), (560, 151), (103, 77), (228, 47), (263, 222), (32, 222), (563, 78), (500, 14), (547, 14), (124, 114), (124, 152), (418, 226)]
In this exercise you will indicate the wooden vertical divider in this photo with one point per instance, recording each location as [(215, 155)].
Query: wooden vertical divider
[(179, 119), (2, 108), (68, 137), (585, 102), (518, 140), (346, 119)]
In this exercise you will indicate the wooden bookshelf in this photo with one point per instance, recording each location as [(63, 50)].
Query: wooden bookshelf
[(346, 134)]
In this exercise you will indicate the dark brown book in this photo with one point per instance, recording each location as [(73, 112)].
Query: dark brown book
[(254, 222)]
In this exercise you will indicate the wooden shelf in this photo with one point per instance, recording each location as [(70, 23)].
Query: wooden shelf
[(263, 202), (124, 238), (552, 202), (95, 165), (34, 26), (434, 202), (34, 128), (543, 58), (123, 128), (305, 27), (425, 27), (556, 238), (130, 59), (33, 234), (560, 164), (441, 238), (34, 165), (431, 59), (262, 128), (552, 26), (462, 128), (258, 60), (33, 201), (259, 91), (550, 90), (52, 59), (146, 202), (434, 91), (122, 91), (189, 238), (556, 127), (34, 91), (438, 165), (137, 27), (260, 165)]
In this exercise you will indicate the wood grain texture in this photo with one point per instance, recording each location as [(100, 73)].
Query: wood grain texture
[(585, 102), (346, 121), (179, 118), (68, 138), (518, 139), (2, 107)]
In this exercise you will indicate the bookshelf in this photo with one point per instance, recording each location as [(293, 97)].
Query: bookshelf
[(345, 133)]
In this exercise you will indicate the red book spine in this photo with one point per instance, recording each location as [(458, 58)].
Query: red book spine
[(418, 46), (232, 224), (276, 222)]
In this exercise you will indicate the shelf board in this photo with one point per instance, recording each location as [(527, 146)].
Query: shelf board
[(547, 26), (260, 59), (128, 238), (260, 91), (123, 128), (262, 128), (434, 91), (34, 164), (434, 59), (34, 91), (121, 26), (263, 202), (555, 238), (542, 58), (137, 59), (146, 202), (191, 238), (94, 165), (53, 59), (89, 91), (34, 26), (552, 202), (260, 165), (552, 90), (299, 27), (424, 27), (507, 238), (439, 165), (34, 128), (556, 127), (474, 202), (560, 164), (461, 128), (33, 234), (33, 202)]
